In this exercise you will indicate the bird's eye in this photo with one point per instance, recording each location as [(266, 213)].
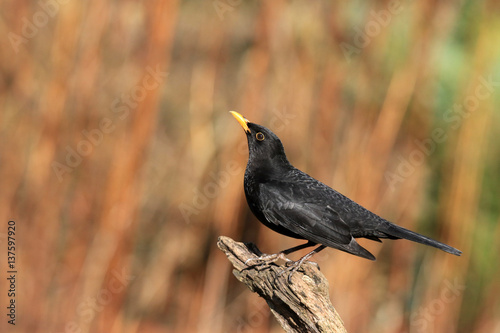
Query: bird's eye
[(259, 136)]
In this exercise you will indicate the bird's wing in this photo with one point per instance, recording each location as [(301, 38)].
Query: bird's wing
[(302, 210)]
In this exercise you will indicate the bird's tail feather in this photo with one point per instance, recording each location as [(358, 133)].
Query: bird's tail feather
[(400, 232)]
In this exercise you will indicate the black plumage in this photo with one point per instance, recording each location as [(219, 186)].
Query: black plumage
[(294, 204)]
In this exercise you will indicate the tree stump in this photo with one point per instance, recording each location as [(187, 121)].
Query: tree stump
[(301, 306)]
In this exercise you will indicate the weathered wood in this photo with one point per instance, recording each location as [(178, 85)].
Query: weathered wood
[(301, 306)]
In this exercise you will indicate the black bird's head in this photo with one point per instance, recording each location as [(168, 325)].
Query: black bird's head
[(265, 148)]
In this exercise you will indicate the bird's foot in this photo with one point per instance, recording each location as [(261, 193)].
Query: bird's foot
[(293, 266), (266, 259)]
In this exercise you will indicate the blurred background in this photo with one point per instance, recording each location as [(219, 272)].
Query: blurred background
[(120, 163)]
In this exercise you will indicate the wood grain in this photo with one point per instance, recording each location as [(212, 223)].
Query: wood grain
[(301, 306)]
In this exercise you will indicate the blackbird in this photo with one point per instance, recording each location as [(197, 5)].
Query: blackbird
[(295, 204)]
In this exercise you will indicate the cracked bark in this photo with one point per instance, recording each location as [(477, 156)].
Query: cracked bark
[(302, 306)]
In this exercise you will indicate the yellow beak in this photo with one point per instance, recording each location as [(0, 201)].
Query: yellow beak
[(243, 122)]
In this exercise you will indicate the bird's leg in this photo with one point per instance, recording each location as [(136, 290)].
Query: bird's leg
[(280, 255), (295, 265)]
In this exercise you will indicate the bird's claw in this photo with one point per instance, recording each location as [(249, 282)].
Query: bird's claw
[(294, 266), (291, 265), (268, 258)]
